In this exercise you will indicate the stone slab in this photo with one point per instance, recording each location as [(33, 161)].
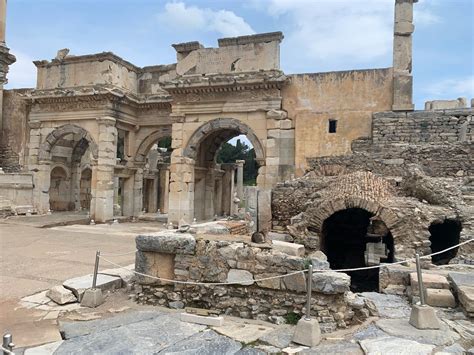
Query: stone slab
[(389, 306), (75, 329), (104, 282), (170, 242), (126, 275), (466, 298), (45, 349), (280, 337), (288, 248), (401, 328), (206, 342), (461, 278), (141, 337), (243, 332), (440, 298), (333, 348), (429, 281), (395, 346), (194, 318)]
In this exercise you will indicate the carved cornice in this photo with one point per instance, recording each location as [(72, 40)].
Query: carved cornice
[(6, 59), (271, 79)]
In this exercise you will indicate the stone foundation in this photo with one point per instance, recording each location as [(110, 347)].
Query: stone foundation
[(183, 257)]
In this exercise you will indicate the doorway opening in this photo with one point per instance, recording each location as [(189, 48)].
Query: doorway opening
[(443, 235), (353, 238)]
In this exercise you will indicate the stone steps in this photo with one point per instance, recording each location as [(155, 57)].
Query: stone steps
[(437, 290)]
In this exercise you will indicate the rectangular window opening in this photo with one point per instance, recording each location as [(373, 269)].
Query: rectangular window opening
[(332, 126)]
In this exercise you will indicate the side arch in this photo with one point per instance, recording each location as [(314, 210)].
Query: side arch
[(316, 215), (148, 142), (235, 127), (59, 132)]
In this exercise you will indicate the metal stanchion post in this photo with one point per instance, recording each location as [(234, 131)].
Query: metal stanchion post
[(96, 269), (308, 292), (420, 280), (7, 343)]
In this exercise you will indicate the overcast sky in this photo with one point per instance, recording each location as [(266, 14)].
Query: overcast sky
[(320, 35)]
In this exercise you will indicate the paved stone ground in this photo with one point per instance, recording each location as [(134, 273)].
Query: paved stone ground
[(34, 259)]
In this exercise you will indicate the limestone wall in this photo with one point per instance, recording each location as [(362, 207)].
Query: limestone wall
[(350, 97), (87, 70), (16, 189), (440, 141), (13, 142), (183, 257)]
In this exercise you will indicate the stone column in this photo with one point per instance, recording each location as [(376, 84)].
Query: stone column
[(240, 178), (209, 184), (227, 188), (181, 195), (138, 193), (6, 59), (402, 56), (166, 189), (102, 185), (76, 185), (3, 17)]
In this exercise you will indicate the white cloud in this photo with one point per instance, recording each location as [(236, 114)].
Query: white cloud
[(22, 73), (451, 88), (337, 33), (424, 14), (179, 17)]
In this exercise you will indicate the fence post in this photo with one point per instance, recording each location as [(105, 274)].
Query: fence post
[(420, 280), (308, 292), (7, 343), (96, 269)]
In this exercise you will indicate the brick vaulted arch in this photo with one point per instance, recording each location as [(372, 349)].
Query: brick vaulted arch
[(148, 142), (235, 127), (58, 133)]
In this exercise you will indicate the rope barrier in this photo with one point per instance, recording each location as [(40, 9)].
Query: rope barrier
[(281, 276), (113, 254)]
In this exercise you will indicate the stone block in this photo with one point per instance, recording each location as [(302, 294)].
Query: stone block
[(295, 282), (307, 332), (440, 298), (194, 318), (288, 248), (331, 282), (242, 277), (78, 285), (424, 317), (466, 298), (272, 283), (92, 298), (166, 242), (154, 264), (429, 281), (61, 295), (283, 237)]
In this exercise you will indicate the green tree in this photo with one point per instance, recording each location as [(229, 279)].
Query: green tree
[(229, 153)]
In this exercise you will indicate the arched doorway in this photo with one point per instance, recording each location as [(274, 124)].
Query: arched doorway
[(85, 189), (443, 235), (353, 238), (59, 190), (217, 183)]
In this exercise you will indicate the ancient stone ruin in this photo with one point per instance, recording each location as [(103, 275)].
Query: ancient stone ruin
[(350, 175)]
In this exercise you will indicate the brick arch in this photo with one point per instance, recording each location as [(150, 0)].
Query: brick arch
[(218, 127), (58, 133), (316, 215), (148, 142)]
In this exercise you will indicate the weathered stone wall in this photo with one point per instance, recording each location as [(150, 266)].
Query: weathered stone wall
[(16, 190), (14, 138), (439, 141), (350, 97), (182, 257)]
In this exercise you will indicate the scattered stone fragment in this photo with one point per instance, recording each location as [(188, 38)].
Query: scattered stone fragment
[(288, 248), (61, 295), (389, 306), (331, 282), (243, 332), (440, 298)]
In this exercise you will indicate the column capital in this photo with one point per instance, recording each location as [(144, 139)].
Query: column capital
[(240, 162)]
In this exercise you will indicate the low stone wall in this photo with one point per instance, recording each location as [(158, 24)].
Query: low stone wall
[(15, 190), (183, 257)]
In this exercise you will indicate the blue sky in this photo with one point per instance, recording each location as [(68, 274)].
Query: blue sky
[(320, 35)]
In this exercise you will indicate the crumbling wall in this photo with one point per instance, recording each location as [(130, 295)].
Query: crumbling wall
[(182, 257), (14, 138)]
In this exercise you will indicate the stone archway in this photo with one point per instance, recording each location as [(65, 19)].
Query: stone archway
[(53, 137), (194, 169), (149, 141)]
